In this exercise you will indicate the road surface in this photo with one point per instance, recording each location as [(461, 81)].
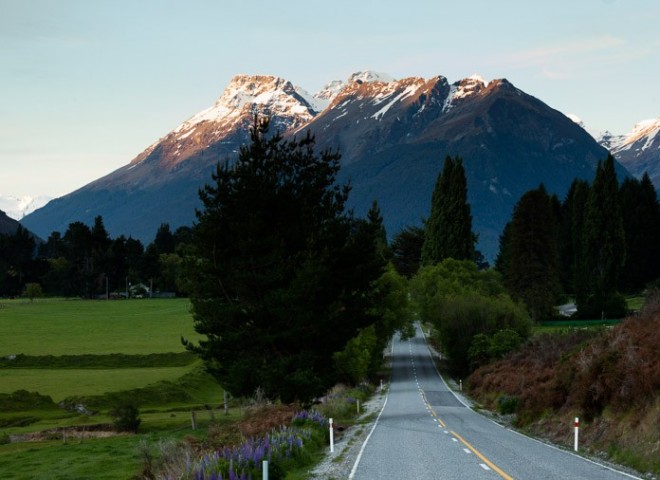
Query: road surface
[(425, 432)]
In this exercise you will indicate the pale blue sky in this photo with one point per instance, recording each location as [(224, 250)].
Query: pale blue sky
[(86, 85)]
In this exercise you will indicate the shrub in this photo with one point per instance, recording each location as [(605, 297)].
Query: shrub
[(353, 363), (472, 314), (126, 417), (507, 404)]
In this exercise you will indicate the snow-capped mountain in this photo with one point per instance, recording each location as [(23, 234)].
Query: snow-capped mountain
[(639, 150), (17, 208), (393, 136), (244, 96)]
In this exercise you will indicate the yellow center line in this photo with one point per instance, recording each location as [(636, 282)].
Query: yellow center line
[(485, 460), (430, 407)]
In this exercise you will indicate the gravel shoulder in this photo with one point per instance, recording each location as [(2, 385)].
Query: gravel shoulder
[(348, 443)]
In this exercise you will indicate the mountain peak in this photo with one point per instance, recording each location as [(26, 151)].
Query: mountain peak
[(369, 76), (244, 96), (17, 208), (645, 128)]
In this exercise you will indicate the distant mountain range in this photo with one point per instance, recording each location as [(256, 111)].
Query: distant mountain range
[(639, 150), (393, 135), (17, 208)]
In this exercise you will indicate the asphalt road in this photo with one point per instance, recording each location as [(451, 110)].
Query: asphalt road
[(425, 432)]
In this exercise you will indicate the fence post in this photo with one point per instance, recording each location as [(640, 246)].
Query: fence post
[(577, 429), (192, 420), (332, 438)]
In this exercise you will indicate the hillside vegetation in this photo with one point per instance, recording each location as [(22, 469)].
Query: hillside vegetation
[(610, 379)]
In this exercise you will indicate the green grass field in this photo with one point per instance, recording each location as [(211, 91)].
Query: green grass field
[(62, 383), (75, 327), (83, 338)]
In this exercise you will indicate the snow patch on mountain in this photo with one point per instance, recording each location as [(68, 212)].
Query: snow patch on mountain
[(463, 89), (409, 90), (17, 208), (369, 76), (327, 94), (575, 119), (645, 130), (317, 103), (252, 92)]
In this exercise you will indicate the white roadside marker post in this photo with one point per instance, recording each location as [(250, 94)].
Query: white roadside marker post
[(577, 428), (264, 469), (332, 438)]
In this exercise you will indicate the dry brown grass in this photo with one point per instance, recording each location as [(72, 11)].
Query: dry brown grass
[(610, 380)]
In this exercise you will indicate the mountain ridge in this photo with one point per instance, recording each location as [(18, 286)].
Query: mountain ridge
[(393, 136)]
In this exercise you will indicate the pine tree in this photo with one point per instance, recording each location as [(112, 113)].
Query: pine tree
[(570, 238), (407, 250), (280, 277), (603, 246), (641, 222), (448, 232), (375, 218), (503, 259), (532, 274)]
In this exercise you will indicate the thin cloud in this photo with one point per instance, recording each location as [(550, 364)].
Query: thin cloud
[(543, 56)]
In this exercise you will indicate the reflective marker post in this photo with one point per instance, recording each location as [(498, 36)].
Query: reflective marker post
[(577, 428), (332, 438)]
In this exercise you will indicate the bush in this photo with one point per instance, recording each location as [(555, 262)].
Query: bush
[(507, 404), (23, 400), (126, 417), (467, 316), (354, 362)]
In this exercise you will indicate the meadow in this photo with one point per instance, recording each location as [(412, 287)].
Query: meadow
[(74, 327), (94, 352)]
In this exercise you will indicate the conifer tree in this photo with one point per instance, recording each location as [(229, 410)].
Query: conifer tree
[(448, 232), (603, 246), (532, 274), (570, 238), (407, 250), (280, 277), (641, 222)]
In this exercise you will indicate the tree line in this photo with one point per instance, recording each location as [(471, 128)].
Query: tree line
[(596, 245), (86, 262)]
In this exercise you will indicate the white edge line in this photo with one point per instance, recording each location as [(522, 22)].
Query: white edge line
[(549, 445), (438, 373), (517, 432), (359, 457)]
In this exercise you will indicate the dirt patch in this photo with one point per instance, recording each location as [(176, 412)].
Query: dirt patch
[(101, 430)]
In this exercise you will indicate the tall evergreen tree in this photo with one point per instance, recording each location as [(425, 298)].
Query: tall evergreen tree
[(448, 231), (375, 218), (407, 250), (570, 238), (532, 274), (641, 223), (603, 246), (280, 276), (503, 259)]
